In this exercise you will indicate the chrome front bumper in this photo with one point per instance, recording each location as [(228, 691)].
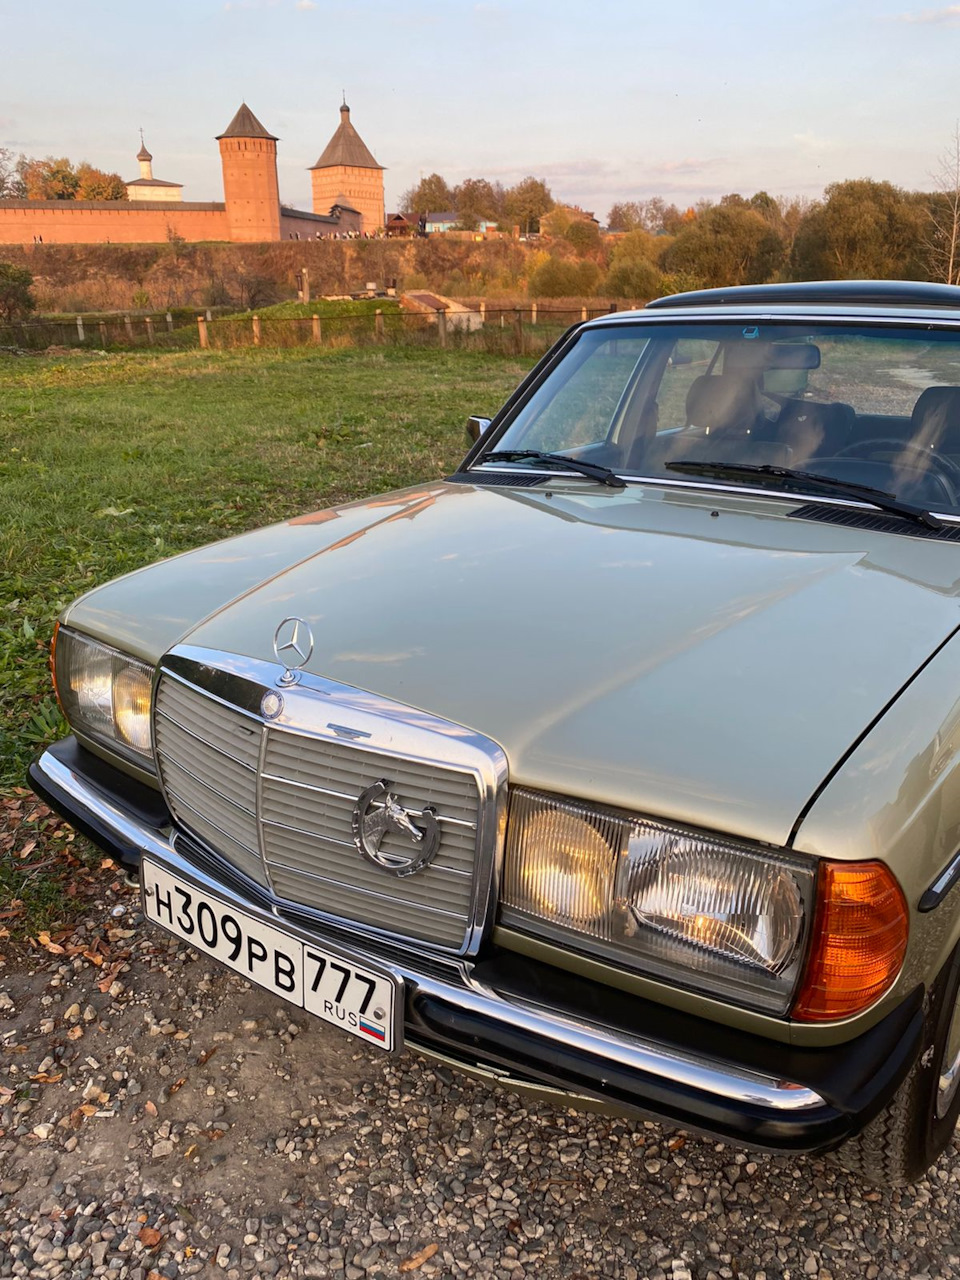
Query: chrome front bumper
[(453, 1012)]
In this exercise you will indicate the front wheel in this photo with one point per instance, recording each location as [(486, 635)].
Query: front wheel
[(900, 1144)]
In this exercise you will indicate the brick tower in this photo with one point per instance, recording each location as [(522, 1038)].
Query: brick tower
[(347, 174), (249, 158)]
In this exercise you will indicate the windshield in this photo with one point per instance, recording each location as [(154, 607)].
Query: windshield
[(865, 404)]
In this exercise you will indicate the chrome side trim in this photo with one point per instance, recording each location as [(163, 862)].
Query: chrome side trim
[(459, 988), (386, 728), (935, 894)]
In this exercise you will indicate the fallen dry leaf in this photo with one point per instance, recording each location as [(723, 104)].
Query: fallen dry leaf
[(191, 1150), (416, 1261), (212, 1134), (53, 947), (149, 1236), (5, 1093), (177, 1084), (75, 1033), (44, 1077), (207, 1055)]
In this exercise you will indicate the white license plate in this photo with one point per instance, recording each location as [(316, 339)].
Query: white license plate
[(325, 982)]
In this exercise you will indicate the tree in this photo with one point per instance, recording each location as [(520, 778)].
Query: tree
[(653, 215), (863, 230), (944, 238), (95, 184), (430, 195), (55, 178), (11, 184), (476, 200), (527, 202), (637, 278), (15, 297), (724, 245)]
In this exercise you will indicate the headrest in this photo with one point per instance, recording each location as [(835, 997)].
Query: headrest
[(936, 410), (720, 401)]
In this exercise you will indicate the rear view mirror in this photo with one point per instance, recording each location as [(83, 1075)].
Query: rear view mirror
[(476, 426), (792, 355)]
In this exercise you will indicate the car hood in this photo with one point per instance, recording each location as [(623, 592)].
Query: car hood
[(701, 657)]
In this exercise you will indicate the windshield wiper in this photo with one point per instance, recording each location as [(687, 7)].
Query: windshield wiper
[(591, 469), (804, 481)]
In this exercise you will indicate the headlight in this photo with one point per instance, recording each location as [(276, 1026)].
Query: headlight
[(105, 694), (728, 919)]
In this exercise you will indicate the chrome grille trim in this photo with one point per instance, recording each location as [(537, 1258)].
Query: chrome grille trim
[(429, 761)]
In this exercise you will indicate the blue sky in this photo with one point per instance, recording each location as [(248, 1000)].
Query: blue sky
[(606, 99)]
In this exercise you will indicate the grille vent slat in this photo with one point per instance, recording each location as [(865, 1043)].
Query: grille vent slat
[(209, 760), (874, 521)]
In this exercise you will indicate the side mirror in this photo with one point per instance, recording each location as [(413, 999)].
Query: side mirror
[(476, 426)]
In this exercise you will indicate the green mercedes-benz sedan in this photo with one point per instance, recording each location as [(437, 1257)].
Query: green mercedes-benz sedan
[(624, 762)]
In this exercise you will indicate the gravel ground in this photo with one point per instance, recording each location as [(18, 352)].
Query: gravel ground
[(161, 1118)]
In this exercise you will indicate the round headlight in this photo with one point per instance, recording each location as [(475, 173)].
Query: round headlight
[(131, 707), (569, 877)]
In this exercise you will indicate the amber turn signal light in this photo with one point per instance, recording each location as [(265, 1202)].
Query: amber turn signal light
[(859, 941), (53, 663)]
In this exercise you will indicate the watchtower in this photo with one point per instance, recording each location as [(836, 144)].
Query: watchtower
[(248, 154), (348, 175)]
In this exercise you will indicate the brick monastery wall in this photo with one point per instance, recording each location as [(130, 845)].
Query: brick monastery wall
[(296, 224), (113, 221)]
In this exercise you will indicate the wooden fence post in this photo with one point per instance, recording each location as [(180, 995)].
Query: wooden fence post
[(148, 321), (306, 283), (483, 313), (583, 313), (79, 328), (170, 322), (256, 331), (202, 327), (533, 313), (316, 329), (518, 330), (442, 325), (209, 314), (378, 324), (103, 333), (128, 325)]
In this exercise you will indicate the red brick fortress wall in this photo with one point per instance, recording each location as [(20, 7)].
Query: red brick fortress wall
[(109, 222)]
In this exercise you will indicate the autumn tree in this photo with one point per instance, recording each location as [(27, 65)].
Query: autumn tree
[(430, 195), (476, 200), (653, 215), (563, 278), (862, 230), (15, 297), (56, 178), (634, 265), (527, 202), (725, 245)]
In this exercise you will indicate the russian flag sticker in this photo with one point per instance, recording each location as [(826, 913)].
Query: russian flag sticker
[(371, 1028)]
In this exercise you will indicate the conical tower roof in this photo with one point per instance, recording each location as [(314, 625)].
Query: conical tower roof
[(246, 125), (346, 147)]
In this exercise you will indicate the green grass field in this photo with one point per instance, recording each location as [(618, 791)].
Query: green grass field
[(110, 462)]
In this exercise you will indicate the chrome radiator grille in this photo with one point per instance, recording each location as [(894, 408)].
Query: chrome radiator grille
[(278, 804)]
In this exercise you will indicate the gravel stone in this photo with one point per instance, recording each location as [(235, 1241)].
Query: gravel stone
[(255, 1146)]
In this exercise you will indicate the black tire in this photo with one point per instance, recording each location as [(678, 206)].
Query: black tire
[(899, 1145)]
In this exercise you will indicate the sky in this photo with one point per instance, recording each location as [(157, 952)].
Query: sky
[(608, 100)]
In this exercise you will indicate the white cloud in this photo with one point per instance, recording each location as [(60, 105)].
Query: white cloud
[(306, 4), (947, 16)]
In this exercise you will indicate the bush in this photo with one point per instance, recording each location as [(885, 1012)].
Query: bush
[(16, 300), (558, 278), (636, 279)]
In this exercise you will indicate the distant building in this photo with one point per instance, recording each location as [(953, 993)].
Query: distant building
[(347, 174), (397, 225), (435, 223), (147, 187), (155, 210)]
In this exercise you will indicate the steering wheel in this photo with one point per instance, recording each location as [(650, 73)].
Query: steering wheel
[(947, 471)]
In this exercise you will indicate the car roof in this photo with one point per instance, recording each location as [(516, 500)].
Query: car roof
[(885, 300)]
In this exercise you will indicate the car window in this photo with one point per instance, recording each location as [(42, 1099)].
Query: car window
[(577, 405), (868, 403)]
